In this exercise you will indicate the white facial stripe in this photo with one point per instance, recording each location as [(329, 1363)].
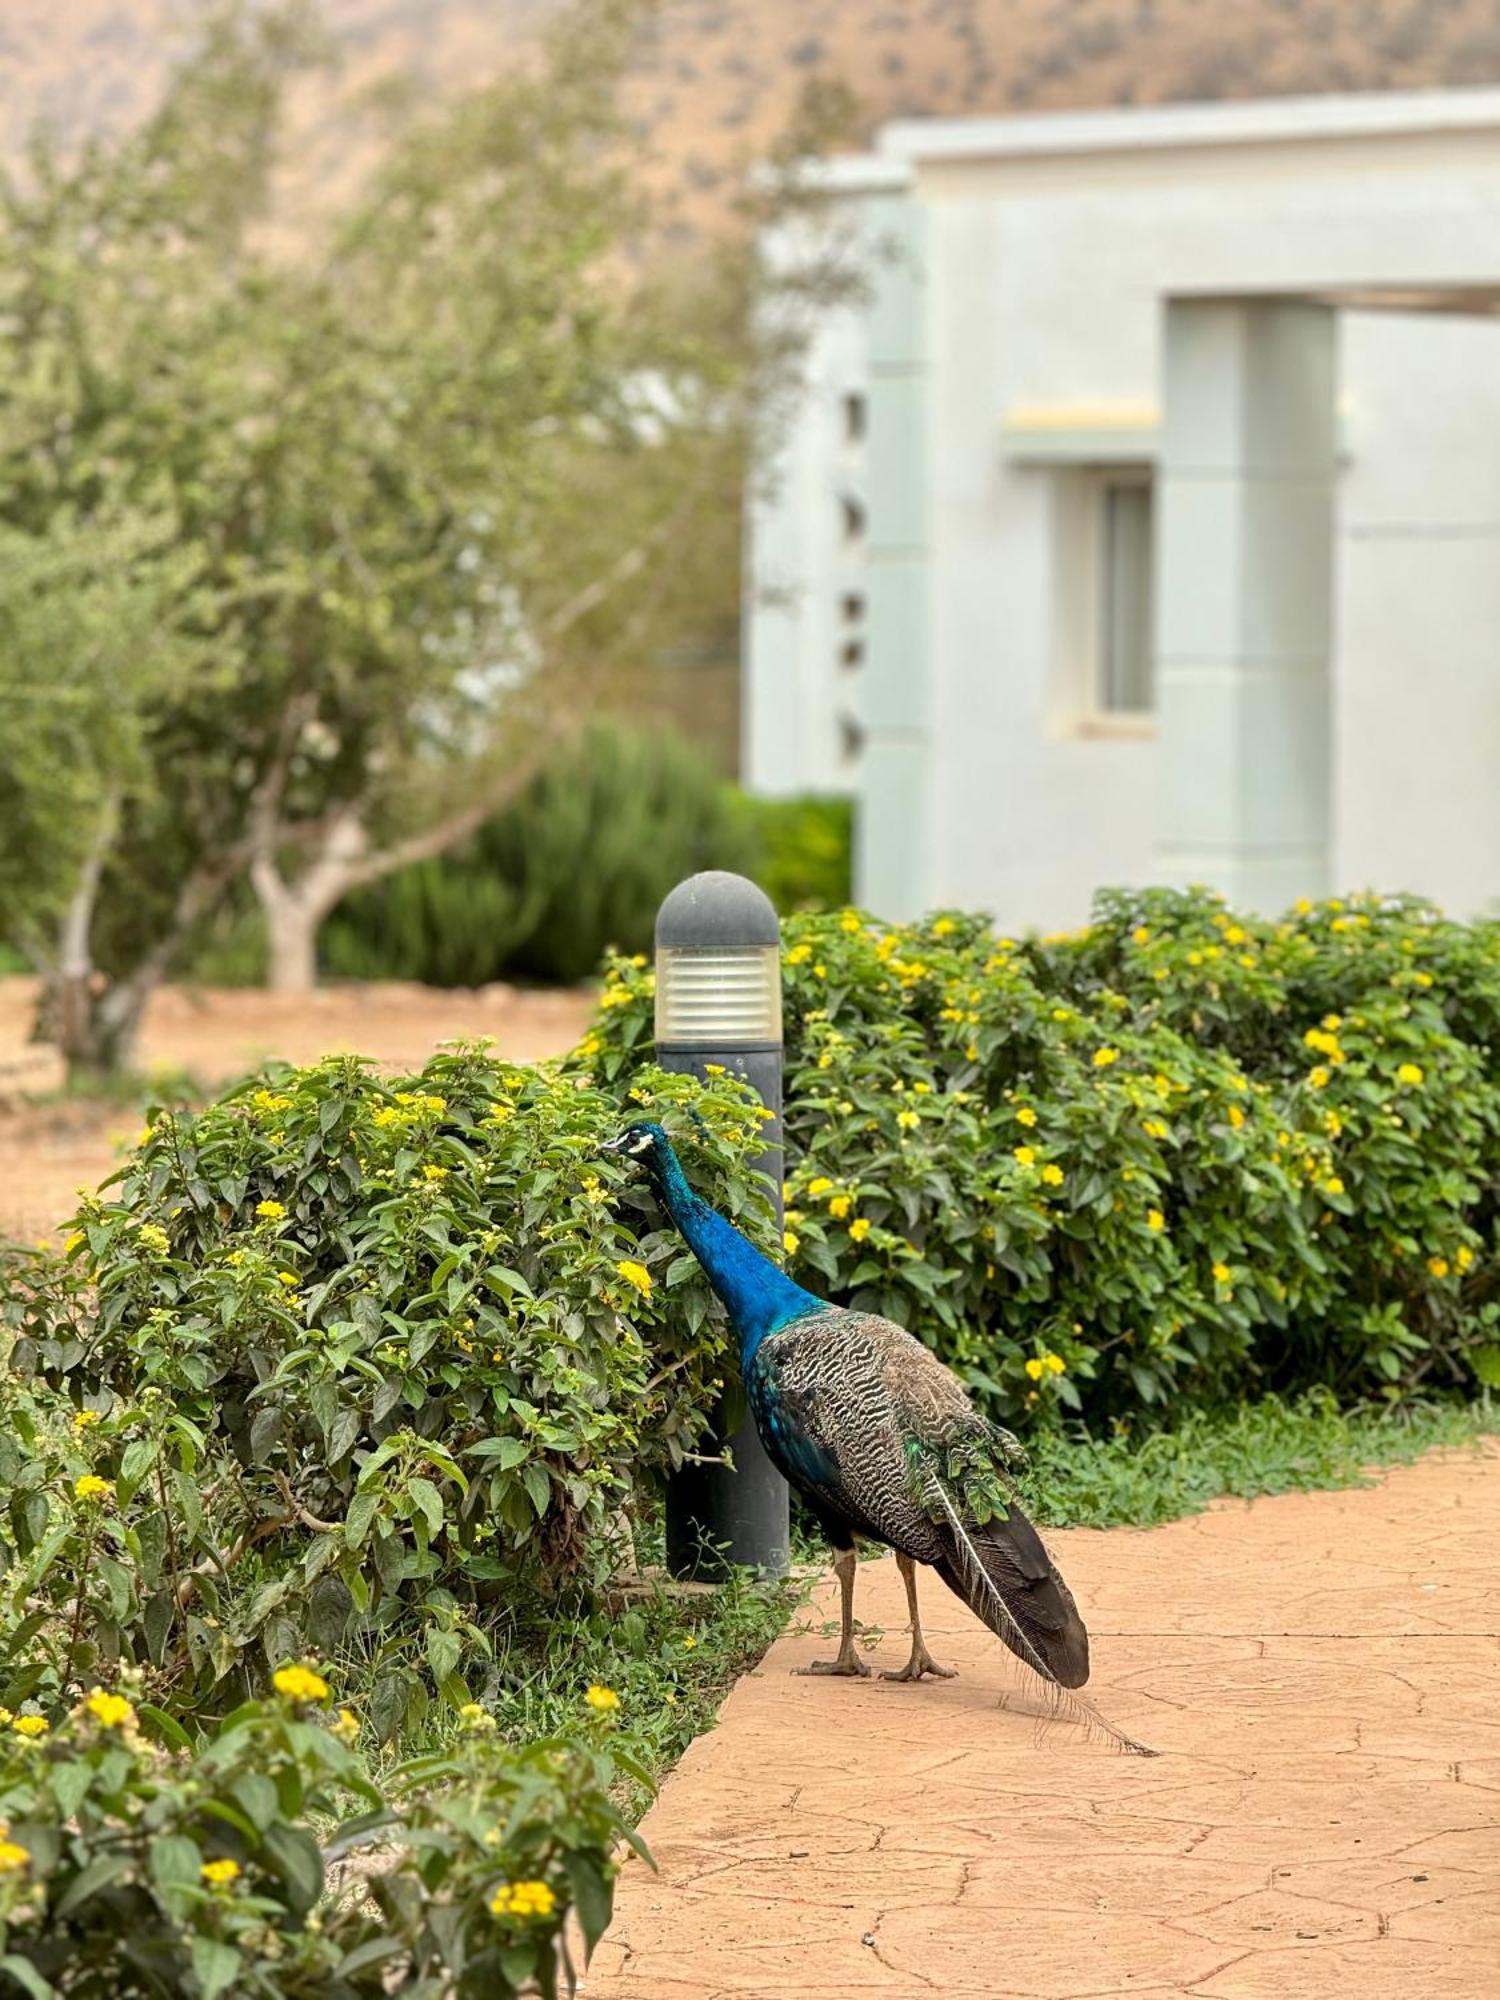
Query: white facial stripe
[(642, 1145)]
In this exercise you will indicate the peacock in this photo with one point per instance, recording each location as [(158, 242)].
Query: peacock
[(883, 1442)]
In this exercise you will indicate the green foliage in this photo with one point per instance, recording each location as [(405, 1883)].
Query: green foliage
[(804, 859), (317, 539), (1181, 1156), (578, 863), (132, 1863), (351, 1368)]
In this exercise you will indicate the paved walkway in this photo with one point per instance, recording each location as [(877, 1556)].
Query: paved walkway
[(1322, 1675)]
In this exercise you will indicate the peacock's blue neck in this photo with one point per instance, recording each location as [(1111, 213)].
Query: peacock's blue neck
[(758, 1296)]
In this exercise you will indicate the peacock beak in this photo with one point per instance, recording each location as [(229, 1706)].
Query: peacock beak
[(617, 1145)]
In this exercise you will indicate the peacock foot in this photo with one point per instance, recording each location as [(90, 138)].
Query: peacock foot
[(848, 1666), (922, 1663)]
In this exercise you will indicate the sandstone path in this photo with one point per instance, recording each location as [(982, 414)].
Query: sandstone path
[(1321, 1673)]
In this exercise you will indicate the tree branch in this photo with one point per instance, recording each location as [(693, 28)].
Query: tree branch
[(448, 832)]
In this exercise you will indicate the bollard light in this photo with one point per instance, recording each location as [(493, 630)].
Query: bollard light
[(718, 1000)]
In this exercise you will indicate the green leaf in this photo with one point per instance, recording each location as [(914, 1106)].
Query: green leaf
[(216, 1966), (425, 1495), (508, 1452), (175, 1860), (165, 1728), (593, 1895), (26, 1976), (70, 1785), (95, 1875), (442, 1652), (256, 1797), (362, 1511), (538, 1487), (299, 1861)]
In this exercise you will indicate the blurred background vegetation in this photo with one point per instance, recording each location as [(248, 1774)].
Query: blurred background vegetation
[(576, 864), (328, 537)]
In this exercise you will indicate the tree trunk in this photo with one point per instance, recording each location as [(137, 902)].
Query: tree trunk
[(292, 928), (96, 1030)]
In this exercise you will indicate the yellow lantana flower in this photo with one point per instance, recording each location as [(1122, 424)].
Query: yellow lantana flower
[(1025, 1155), (1053, 1176), (908, 1120), (859, 1229), (219, 1874), (1409, 1073), (270, 1211), (1438, 1266), (1222, 1274), (300, 1684), (1155, 1219), (839, 1206), (153, 1238), (31, 1725), (791, 1242), (1035, 1369), (1319, 1077), (110, 1711), (83, 1418), (91, 1487), (523, 1899), (602, 1700), (1104, 1057), (820, 1186), (636, 1275)]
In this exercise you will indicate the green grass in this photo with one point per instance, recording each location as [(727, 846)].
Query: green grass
[(1268, 1447), (671, 1656)]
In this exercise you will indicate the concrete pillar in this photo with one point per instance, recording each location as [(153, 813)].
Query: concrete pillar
[(893, 810), (1244, 591)]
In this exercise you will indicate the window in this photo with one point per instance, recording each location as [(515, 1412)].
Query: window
[(1122, 653), (852, 518)]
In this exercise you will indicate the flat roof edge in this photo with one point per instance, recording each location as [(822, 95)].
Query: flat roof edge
[(1134, 128)]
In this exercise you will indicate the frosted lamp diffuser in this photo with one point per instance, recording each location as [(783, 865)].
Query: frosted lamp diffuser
[(718, 996)]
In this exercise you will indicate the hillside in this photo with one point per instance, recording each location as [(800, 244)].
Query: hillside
[(716, 79)]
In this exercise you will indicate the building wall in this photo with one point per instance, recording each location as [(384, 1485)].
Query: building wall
[(1047, 266), (1417, 668)]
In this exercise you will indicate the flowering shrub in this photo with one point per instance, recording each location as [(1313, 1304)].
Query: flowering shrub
[(129, 1867), (1179, 1154), (338, 1363)]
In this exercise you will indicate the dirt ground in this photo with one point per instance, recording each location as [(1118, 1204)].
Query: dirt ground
[(1321, 1675), (48, 1149)]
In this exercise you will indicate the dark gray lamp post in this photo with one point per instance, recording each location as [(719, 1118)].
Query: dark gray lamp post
[(718, 1000)]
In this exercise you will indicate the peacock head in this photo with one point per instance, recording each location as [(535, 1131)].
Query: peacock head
[(643, 1141)]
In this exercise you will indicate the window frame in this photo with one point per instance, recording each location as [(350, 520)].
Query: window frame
[(1093, 716)]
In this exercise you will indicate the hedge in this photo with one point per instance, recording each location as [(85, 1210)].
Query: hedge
[(1182, 1154), (131, 1867), (341, 1362)]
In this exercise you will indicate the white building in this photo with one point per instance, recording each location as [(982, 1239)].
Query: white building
[(1141, 520)]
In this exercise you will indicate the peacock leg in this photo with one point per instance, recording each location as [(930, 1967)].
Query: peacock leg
[(845, 1563), (921, 1661)]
